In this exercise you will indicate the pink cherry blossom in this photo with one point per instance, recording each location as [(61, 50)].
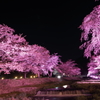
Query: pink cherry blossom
[(69, 68), (17, 54), (91, 40)]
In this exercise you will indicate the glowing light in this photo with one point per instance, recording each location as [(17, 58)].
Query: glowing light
[(56, 87), (59, 76), (21, 77), (65, 86), (16, 77), (2, 78), (34, 76), (30, 76)]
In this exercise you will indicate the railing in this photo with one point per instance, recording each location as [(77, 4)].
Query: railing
[(63, 93)]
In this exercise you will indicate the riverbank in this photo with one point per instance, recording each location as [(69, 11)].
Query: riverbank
[(62, 95), (10, 87)]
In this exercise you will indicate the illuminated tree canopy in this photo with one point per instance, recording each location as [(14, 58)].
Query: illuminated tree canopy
[(17, 54), (91, 38), (94, 65), (91, 33), (69, 68)]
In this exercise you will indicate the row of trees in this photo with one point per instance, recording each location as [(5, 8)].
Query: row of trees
[(17, 54)]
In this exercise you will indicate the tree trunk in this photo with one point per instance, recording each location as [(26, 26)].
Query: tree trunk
[(50, 75), (38, 74), (25, 73)]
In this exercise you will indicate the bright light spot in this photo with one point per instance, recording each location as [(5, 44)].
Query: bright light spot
[(30, 76), (16, 77), (2, 78), (65, 86), (56, 87), (95, 77), (33, 76), (21, 77), (59, 76)]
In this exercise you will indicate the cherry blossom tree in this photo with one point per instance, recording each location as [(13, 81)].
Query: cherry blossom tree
[(94, 66), (38, 60), (51, 64), (35, 59), (91, 38), (17, 54), (69, 68), (9, 47), (91, 35)]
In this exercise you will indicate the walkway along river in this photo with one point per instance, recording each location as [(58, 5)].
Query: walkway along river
[(61, 93)]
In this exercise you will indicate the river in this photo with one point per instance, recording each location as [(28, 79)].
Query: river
[(61, 98), (54, 98)]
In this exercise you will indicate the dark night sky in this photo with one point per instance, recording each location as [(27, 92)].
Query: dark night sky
[(53, 25)]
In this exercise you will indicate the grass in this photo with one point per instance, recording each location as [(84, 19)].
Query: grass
[(41, 83), (14, 93)]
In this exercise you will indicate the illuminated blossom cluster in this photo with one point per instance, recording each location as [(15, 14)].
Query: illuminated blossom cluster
[(94, 66), (91, 33), (91, 38), (69, 68), (17, 54), (51, 64)]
